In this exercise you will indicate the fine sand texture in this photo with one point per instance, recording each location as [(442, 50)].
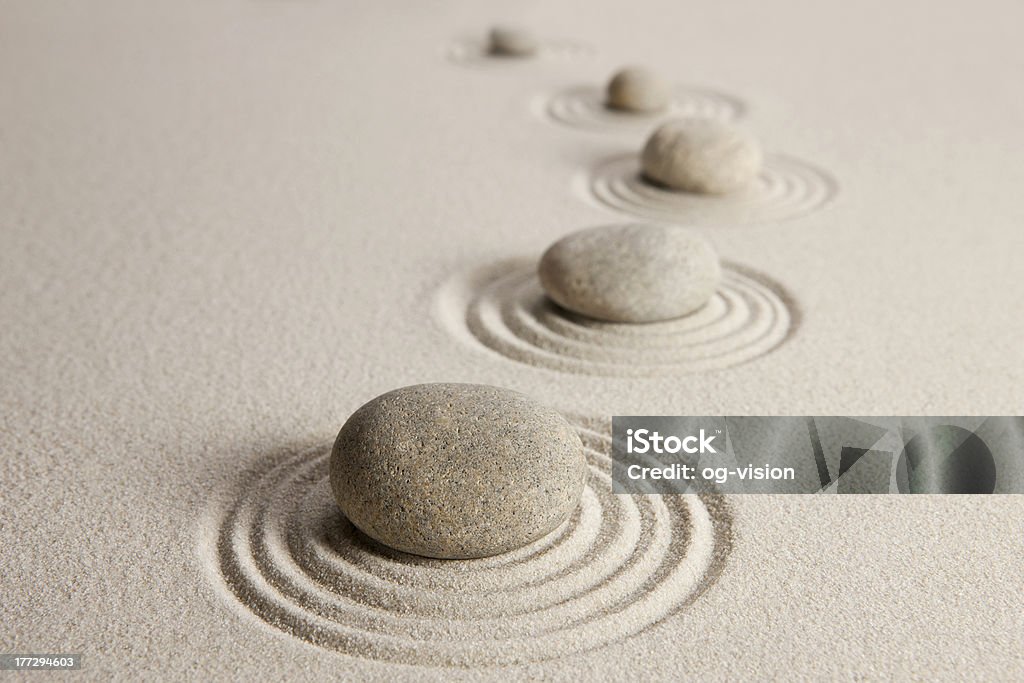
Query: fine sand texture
[(226, 225)]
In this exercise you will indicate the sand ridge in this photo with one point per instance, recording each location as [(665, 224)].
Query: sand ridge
[(786, 188), (584, 108), (474, 50), (619, 566), (503, 309)]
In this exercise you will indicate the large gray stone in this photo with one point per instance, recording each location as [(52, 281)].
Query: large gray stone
[(701, 155), (633, 273), (456, 470)]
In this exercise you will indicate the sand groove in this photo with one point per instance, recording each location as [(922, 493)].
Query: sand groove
[(786, 188), (620, 565), (504, 309), (474, 51), (583, 107)]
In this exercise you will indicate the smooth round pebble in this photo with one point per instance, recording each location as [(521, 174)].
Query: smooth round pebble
[(636, 273), (456, 471), (512, 41), (701, 155), (638, 89)]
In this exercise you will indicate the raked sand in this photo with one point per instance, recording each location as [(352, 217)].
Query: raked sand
[(227, 225)]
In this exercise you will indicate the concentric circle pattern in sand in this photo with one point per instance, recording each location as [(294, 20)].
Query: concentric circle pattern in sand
[(584, 107), (786, 188), (622, 563), (504, 309), (476, 52)]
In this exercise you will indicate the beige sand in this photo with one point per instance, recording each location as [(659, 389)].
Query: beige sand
[(226, 225)]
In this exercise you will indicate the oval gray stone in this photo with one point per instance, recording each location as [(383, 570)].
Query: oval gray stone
[(635, 273), (512, 41), (638, 89), (701, 155), (456, 471)]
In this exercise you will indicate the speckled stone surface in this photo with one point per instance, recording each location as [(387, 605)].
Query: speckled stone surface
[(638, 89), (701, 155), (632, 273), (512, 41), (456, 470)]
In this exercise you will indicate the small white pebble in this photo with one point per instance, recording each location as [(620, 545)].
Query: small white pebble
[(701, 155), (638, 89), (512, 41)]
